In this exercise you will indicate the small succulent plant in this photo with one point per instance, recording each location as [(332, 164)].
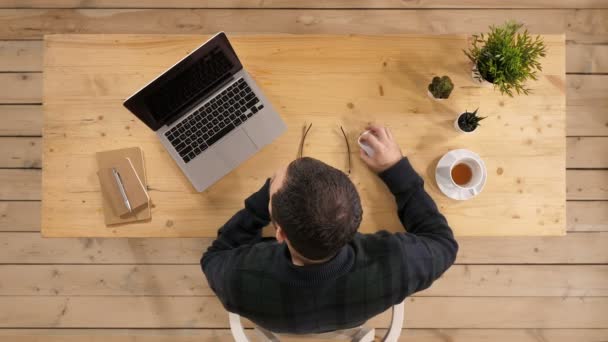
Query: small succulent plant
[(469, 121), (441, 87)]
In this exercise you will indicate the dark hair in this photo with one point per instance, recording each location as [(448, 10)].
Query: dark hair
[(317, 207)]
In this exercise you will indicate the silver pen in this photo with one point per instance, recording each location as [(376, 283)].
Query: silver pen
[(121, 187)]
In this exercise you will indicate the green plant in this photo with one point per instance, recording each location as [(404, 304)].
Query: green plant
[(469, 121), (506, 57), (441, 87)]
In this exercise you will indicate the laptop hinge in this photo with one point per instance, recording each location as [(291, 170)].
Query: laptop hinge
[(176, 117)]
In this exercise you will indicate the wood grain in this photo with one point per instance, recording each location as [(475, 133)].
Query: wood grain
[(216, 335), (587, 58), (30, 248), (587, 152), (582, 216), (20, 153), (22, 87), (20, 184), (587, 105), (586, 111), (521, 280), (131, 335), (582, 152), (512, 250), (345, 4), (106, 280), (187, 280), (20, 56), (586, 108), (586, 120), (580, 26), (86, 78), (20, 216), (587, 184), (207, 312), (20, 120), (27, 56), (587, 215)]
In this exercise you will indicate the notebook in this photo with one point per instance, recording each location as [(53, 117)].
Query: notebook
[(132, 185), (129, 163)]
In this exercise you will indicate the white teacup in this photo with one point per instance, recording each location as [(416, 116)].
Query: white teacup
[(476, 174)]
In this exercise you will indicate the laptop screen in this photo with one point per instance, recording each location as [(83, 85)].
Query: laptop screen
[(184, 84)]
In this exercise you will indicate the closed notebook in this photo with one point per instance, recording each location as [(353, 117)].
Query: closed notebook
[(105, 161), (134, 189)]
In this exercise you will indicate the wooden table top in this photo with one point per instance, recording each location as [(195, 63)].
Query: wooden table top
[(330, 81)]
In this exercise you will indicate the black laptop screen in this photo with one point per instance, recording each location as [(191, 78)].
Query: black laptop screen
[(174, 92)]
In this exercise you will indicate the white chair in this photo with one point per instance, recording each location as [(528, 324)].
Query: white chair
[(359, 334)]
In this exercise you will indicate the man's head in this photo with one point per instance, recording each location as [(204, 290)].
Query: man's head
[(315, 207)]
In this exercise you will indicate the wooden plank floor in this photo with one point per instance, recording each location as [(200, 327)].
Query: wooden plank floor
[(550, 289)]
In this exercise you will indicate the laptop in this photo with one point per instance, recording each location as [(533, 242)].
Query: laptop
[(208, 112)]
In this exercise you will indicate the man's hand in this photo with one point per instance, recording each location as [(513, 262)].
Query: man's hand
[(386, 150)]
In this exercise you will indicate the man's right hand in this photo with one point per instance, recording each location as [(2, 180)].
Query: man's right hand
[(386, 150)]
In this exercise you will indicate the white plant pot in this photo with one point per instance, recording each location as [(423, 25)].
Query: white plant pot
[(460, 130), (479, 80), (428, 92)]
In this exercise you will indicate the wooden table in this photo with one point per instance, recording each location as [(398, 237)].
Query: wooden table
[(331, 81)]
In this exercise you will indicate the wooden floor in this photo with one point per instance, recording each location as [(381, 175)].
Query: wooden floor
[(502, 289)]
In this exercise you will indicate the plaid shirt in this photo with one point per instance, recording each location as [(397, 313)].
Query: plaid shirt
[(256, 279)]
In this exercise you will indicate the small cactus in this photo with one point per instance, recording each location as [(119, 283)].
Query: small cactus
[(441, 87), (468, 121)]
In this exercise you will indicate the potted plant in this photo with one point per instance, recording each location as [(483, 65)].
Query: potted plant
[(467, 122), (440, 88), (506, 57)]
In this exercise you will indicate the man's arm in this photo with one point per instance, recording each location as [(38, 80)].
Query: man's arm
[(244, 228), (428, 247)]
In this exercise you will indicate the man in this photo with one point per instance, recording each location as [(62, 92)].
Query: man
[(319, 274)]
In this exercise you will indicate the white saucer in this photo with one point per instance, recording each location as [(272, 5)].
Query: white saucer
[(442, 175)]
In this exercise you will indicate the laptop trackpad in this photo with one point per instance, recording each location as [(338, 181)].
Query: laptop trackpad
[(236, 148)]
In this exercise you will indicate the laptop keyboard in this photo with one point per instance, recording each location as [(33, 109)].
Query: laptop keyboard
[(218, 117)]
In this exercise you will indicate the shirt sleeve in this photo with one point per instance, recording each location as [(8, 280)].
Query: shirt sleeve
[(428, 246), (243, 229)]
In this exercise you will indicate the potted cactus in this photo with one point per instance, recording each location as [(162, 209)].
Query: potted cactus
[(440, 88), (506, 58), (467, 122)]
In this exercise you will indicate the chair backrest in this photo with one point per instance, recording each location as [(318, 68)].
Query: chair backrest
[(359, 334)]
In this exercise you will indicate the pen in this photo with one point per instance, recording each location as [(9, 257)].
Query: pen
[(121, 187)]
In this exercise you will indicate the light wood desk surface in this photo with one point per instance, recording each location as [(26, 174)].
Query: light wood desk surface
[(331, 81)]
